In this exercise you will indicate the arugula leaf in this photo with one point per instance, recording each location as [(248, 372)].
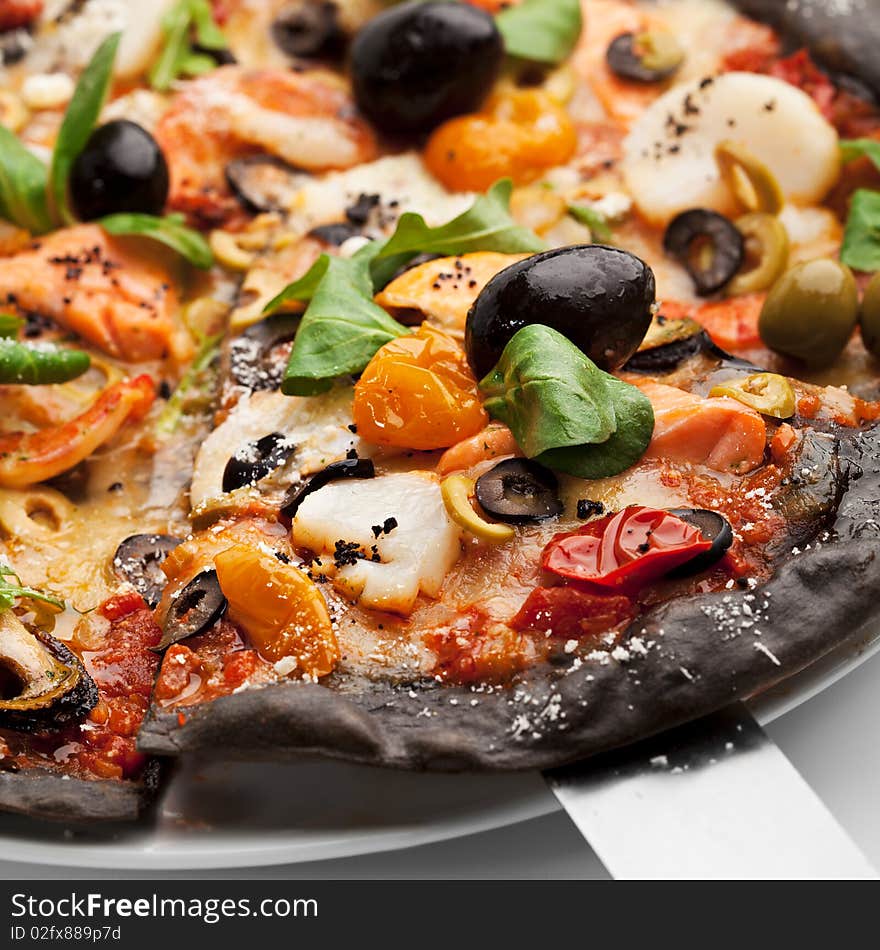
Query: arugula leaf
[(341, 329), (593, 219), (10, 325), (851, 149), (22, 186), (10, 593), (79, 121), (861, 239), (178, 57), (486, 226), (33, 364), (563, 410), (304, 288), (170, 231), (545, 31)]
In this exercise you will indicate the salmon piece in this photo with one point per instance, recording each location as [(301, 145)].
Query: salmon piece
[(308, 120), (16, 13), (89, 283), (720, 433)]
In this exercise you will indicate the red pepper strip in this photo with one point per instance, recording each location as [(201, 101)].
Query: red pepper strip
[(624, 551)]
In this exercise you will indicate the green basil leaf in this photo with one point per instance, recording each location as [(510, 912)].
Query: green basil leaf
[(861, 239), (37, 364), (208, 33), (169, 231), (622, 449), (548, 392), (178, 58), (486, 226), (10, 325), (341, 329), (545, 31), (851, 149), (79, 121), (593, 219), (22, 186), (565, 411)]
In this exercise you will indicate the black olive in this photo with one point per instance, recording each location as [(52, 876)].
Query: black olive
[(195, 609), (335, 234), (138, 560), (121, 169), (625, 60), (713, 527), (222, 57), (253, 356), (519, 491), (310, 29), (420, 63), (255, 460), (344, 468), (599, 297), (709, 247), (261, 182)]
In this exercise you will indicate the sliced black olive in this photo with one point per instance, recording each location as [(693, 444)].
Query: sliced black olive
[(255, 460), (195, 609), (261, 182), (121, 169), (417, 64), (335, 234), (713, 527), (645, 57), (309, 29), (42, 684), (359, 212), (222, 57), (254, 355), (344, 468), (599, 297), (138, 560), (519, 491), (707, 245)]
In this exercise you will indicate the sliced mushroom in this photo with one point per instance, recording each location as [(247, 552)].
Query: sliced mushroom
[(138, 560), (263, 182), (42, 684), (668, 343)]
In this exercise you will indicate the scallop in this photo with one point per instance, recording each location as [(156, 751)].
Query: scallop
[(669, 156)]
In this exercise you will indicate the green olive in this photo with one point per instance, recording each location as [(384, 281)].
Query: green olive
[(811, 312), (870, 316), (753, 184), (766, 257)]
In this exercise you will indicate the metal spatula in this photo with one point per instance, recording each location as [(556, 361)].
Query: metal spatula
[(714, 799)]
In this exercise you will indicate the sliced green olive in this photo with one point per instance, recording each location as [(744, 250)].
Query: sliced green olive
[(753, 184), (811, 311), (766, 254), (457, 491), (870, 316), (767, 393)]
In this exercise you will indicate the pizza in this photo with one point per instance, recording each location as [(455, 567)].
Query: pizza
[(442, 386)]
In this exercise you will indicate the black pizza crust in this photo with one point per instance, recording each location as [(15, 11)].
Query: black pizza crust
[(684, 660), (55, 796)]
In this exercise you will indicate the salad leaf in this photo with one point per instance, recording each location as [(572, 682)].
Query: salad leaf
[(186, 19), (545, 31), (170, 231), (35, 364), (341, 329), (861, 239), (486, 226), (563, 410), (11, 591), (851, 149), (79, 121), (22, 186), (593, 219)]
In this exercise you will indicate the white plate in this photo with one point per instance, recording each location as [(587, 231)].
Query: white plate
[(221, 815)]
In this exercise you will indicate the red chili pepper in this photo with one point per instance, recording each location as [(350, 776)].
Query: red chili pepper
[(624, 551)]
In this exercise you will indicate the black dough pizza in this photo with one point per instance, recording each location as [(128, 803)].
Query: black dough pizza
[(444, 386)]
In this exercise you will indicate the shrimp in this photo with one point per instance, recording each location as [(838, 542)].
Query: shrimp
[(305, 119), (124, 303), (30, 457)]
